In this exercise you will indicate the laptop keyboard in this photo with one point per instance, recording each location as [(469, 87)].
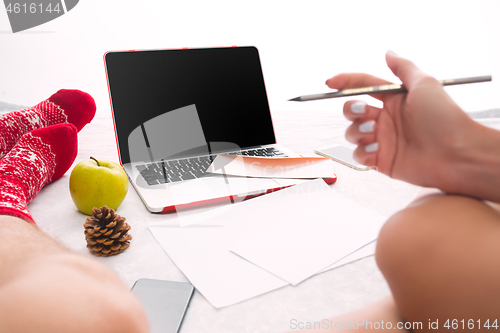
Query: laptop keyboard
[(193, 167)]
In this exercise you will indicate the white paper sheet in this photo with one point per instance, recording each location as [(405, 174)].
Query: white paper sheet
[(202, 254), (202, 251), (320, 228), (365, 251)]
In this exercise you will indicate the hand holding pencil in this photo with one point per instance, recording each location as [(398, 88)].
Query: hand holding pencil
[(414, 136)]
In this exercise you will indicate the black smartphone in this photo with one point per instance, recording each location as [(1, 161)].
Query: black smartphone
[(165, 303)]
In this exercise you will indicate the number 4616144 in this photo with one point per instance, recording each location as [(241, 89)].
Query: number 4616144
[(32, 8), (470, 324)]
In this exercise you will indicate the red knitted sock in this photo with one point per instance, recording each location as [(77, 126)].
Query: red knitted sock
[(65, 106), (40, 157)]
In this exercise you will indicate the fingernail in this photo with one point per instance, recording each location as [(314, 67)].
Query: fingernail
[(371, 148), (367, 127), (393, 53), (358, 107)]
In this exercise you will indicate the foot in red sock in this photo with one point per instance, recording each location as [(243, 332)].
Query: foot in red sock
[(40, 157), (65, 106)]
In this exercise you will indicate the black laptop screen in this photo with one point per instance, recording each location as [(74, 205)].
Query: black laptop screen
[(224, 87)]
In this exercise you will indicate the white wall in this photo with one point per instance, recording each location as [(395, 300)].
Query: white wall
[(301, 44)]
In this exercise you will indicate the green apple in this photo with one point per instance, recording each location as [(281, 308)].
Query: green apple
[(97, 183)]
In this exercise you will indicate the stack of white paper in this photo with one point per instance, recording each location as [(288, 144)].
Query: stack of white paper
[(268, 242)]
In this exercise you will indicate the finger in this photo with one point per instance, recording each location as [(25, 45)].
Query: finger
[(354, 110), (356, 80), (361, 132), (367, 154), (403, 68)]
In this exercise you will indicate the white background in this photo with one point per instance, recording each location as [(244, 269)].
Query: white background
[(301, 44)]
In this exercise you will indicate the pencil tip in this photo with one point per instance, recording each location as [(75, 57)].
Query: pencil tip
[(296, 99)]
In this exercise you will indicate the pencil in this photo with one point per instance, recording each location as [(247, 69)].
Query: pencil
[(384, 89)]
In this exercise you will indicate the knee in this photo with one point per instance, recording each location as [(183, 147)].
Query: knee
[(69, 293), (123, 313), (411, 237), (104, 296), (433, 248)]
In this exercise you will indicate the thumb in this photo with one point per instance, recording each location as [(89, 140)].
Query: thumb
[(403, 68)]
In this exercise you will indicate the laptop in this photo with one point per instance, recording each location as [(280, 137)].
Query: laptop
[(175, 110)]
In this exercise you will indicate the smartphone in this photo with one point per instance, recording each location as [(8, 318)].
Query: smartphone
[(165, 303), (342, 155)]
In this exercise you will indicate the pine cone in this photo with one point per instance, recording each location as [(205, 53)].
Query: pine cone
[(106, 232)]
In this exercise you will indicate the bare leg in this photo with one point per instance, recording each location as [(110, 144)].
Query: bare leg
[(439, 257), (382, 311), (46, 288)]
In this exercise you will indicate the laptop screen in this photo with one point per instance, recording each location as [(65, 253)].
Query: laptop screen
[(220, 91)]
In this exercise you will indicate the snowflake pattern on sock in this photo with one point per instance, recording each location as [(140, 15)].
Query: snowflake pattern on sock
[(16, 124), (38, 158), (12, 199), (65, 106), (33, 162)]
